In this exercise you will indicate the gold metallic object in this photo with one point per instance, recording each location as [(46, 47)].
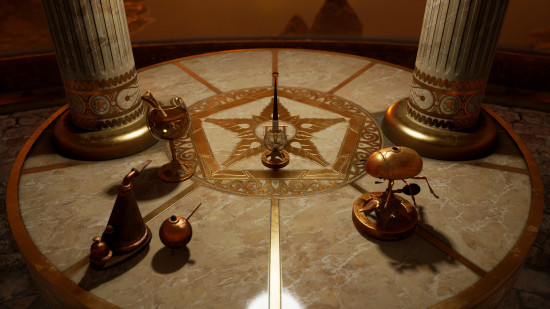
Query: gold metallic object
[(436, 143), (169, 120), (394, 217), (275, 139), (176, 232), (126, 233), (83, 144), (362, 137)]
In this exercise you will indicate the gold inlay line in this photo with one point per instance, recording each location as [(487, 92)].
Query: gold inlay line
[(449, 251), (83, 262), (150, 216), (197, 77), (75, 163), (358, 188), (153, 214), (499, 167), (49, 167), (274, 258), (352, 77)]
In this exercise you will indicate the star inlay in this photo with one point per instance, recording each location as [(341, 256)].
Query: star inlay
[(251, 145)]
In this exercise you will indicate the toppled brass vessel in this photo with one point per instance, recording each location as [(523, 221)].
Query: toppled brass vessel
[(176, 232), (126, 232)]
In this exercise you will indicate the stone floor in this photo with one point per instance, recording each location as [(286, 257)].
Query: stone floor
[(532, 290)]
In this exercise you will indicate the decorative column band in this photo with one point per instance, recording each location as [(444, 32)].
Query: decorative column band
[(94, 54), (103, 104), (445, 104), (455, 53)]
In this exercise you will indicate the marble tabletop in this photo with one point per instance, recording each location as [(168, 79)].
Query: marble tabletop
[(280, 238)]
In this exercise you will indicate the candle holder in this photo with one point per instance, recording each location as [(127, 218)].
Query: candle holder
[(275, 139), (384, 215), (169, 120)]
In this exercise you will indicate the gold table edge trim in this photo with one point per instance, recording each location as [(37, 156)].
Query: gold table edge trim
[(42, 269)]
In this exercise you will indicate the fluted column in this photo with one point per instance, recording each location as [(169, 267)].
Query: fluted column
[(455, 53), (94, 54)]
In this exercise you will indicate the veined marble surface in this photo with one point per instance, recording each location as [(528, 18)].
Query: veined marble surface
[(324, 261)]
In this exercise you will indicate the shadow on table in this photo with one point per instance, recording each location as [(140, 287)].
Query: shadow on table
[(147, 186), (167, 261), (96, 277), (416, 252)]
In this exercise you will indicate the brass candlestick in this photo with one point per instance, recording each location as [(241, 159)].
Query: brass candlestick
[(275, 139), (384, 215)]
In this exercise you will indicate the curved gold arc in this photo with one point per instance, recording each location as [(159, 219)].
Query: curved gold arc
[(436, 143), (61, 291), (505, 273)]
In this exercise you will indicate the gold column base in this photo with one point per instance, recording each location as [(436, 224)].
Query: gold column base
[(74, 142), (468, 144)]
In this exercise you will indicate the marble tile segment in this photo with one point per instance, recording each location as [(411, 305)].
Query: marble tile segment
[(43, 152), (63, 209), (480, 212), (169, 79), (326, 263), (226, 265), (234, 70), (315, 70), (378, 87)]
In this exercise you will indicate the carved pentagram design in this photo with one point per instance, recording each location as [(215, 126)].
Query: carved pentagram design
[(327, 137)]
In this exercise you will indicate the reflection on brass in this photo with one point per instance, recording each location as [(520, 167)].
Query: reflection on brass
[(275, 159), (275, 139), (361, 138), (436, 143), (119, 142), (394, 218), (169, 120), (176, 232), (126, 232)]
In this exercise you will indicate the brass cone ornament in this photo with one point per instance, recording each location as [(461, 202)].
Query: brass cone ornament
[(106, 118), (126, 233), (275, 139), (442, 117), (385, 215)]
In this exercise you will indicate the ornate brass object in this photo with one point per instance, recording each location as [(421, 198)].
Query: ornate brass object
[(126, 232), (394, 217), (176, 232), (275, 139), (169, 120)]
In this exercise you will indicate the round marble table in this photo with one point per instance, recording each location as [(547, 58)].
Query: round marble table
[(278, 238)]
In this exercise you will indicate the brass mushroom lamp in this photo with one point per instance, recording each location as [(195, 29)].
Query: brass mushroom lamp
[(385, 215), (275, 139)]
